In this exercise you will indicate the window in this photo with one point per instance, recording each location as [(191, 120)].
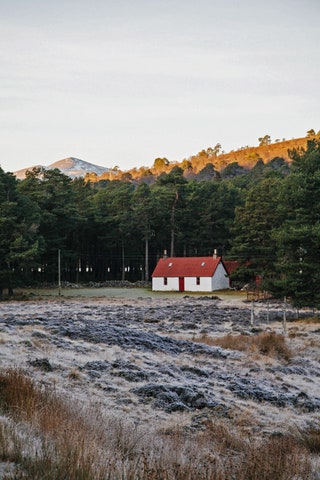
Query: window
[(198, 280), (165, 281)]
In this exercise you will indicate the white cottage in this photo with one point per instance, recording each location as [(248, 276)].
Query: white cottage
[(190, 274)]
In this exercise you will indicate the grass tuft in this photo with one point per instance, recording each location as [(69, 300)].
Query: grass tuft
[(309, 320), (269, 344), (310, 438)]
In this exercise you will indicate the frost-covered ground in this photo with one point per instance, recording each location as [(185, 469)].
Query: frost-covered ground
[(134, 355)]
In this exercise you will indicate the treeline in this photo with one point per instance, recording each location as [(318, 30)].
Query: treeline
[(267, 218), (221, 163)]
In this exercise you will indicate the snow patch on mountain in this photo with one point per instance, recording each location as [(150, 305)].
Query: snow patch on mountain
[(71, 166)]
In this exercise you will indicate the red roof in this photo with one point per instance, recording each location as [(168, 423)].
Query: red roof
[(231, 265), (186, 267)]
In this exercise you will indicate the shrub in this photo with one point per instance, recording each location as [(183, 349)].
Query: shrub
[(273, 345)]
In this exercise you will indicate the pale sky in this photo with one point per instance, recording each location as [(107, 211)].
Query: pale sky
[(123, 82)]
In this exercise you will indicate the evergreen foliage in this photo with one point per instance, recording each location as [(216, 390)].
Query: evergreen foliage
[(267, 218), (20, 240)]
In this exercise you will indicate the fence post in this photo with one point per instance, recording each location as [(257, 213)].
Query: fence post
[(285, 316), (59, 273)]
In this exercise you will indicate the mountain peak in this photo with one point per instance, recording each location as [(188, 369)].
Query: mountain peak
[(75, 167), (71, 166)]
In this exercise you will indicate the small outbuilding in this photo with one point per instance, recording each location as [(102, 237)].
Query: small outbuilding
[(231, 266), (190, 274)]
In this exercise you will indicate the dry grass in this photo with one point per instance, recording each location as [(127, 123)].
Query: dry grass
[(74, 374), (309, 320), (49, 438), (310, 438), (269, 344)]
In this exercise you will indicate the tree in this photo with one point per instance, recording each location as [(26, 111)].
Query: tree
[(160, 164), (168, 198), (217, 148), (298, 236), (297, 265), (208, 173), (142, 216), (233, 170), (208, 215), (186, 165), (277, 164), (52, 191), (266, 140), (20, 244), (311, 133), (252, 158), (83, 235), (306, 161), (114, 221), (253, 243), (126, 177), (212, 152)]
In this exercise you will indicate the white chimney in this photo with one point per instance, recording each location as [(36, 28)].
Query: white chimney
[(215, 253)]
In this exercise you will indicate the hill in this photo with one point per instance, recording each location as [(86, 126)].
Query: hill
[(247, 157), (243, 158), (71, 166), (208, 163)]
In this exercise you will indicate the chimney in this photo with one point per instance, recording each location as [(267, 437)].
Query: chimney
[(165, 254), (215, 254)]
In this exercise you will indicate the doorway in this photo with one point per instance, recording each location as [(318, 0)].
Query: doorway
[(181, 284)]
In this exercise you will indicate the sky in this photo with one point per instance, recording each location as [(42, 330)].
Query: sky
[(122, 82)]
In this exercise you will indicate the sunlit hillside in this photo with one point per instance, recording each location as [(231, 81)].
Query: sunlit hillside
[(243, 158)]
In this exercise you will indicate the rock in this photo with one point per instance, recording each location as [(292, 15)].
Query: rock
[(42, 364), (173, 398), (38, 334), (133, 338), (303, 402), (198, 372), (129, 371), (99, 366)]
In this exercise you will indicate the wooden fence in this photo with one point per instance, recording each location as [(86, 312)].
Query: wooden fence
[(257, 295)]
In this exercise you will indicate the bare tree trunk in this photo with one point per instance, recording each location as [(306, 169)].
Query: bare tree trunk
[(252, 314), (123, 266), (285, 316), (172, 243), (173, 211), (146, 267)]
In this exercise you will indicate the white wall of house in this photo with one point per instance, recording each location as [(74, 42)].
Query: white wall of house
[(158, 284), (205, 284), (220, 280)]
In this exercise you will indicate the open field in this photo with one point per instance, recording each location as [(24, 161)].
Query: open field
[(178, 380), (132, 293)]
